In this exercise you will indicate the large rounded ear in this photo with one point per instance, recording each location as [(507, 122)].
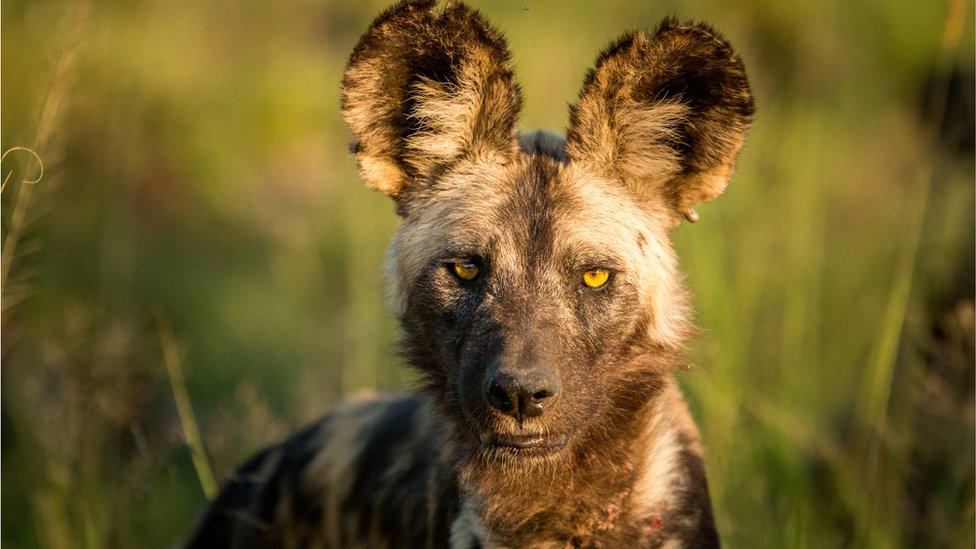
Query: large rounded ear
[(665, 114), (425, 88)]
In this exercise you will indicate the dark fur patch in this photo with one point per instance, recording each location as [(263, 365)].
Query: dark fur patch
[(390, 484), (693, 513), (544, 143)]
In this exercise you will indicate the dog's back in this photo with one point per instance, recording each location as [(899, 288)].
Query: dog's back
[(361, 476)]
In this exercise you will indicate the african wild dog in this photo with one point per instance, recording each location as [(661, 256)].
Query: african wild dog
[(538, 291)]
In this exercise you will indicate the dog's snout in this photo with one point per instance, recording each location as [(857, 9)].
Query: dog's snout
[(526, 393)]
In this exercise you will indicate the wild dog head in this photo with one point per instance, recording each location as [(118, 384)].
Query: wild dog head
[(536, 283)]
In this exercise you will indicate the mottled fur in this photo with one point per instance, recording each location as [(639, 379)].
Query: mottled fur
[(433, 106)]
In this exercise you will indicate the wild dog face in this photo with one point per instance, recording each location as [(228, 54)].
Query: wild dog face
[(536, 285)]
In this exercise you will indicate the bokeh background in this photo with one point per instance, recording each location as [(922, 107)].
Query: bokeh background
[(199, 237)]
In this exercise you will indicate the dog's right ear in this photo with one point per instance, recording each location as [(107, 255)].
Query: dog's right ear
[(425, 88)]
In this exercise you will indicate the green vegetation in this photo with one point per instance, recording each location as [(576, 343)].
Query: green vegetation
[(199, 214)]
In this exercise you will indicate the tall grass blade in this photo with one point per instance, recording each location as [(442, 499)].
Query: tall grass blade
[(191, 432)]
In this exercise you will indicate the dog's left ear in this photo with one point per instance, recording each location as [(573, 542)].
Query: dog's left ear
[(664, 114)]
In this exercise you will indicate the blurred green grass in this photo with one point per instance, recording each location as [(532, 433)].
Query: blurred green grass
[(197, 165)]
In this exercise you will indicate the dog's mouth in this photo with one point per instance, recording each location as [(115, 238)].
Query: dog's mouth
[(528, 444)]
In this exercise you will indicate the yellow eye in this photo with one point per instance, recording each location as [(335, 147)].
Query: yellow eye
[(466, 270), (594, 278)]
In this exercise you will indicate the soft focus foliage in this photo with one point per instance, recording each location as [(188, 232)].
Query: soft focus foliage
[(197, 175)]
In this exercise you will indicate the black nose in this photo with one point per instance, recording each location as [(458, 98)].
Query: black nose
[(522, 395)]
